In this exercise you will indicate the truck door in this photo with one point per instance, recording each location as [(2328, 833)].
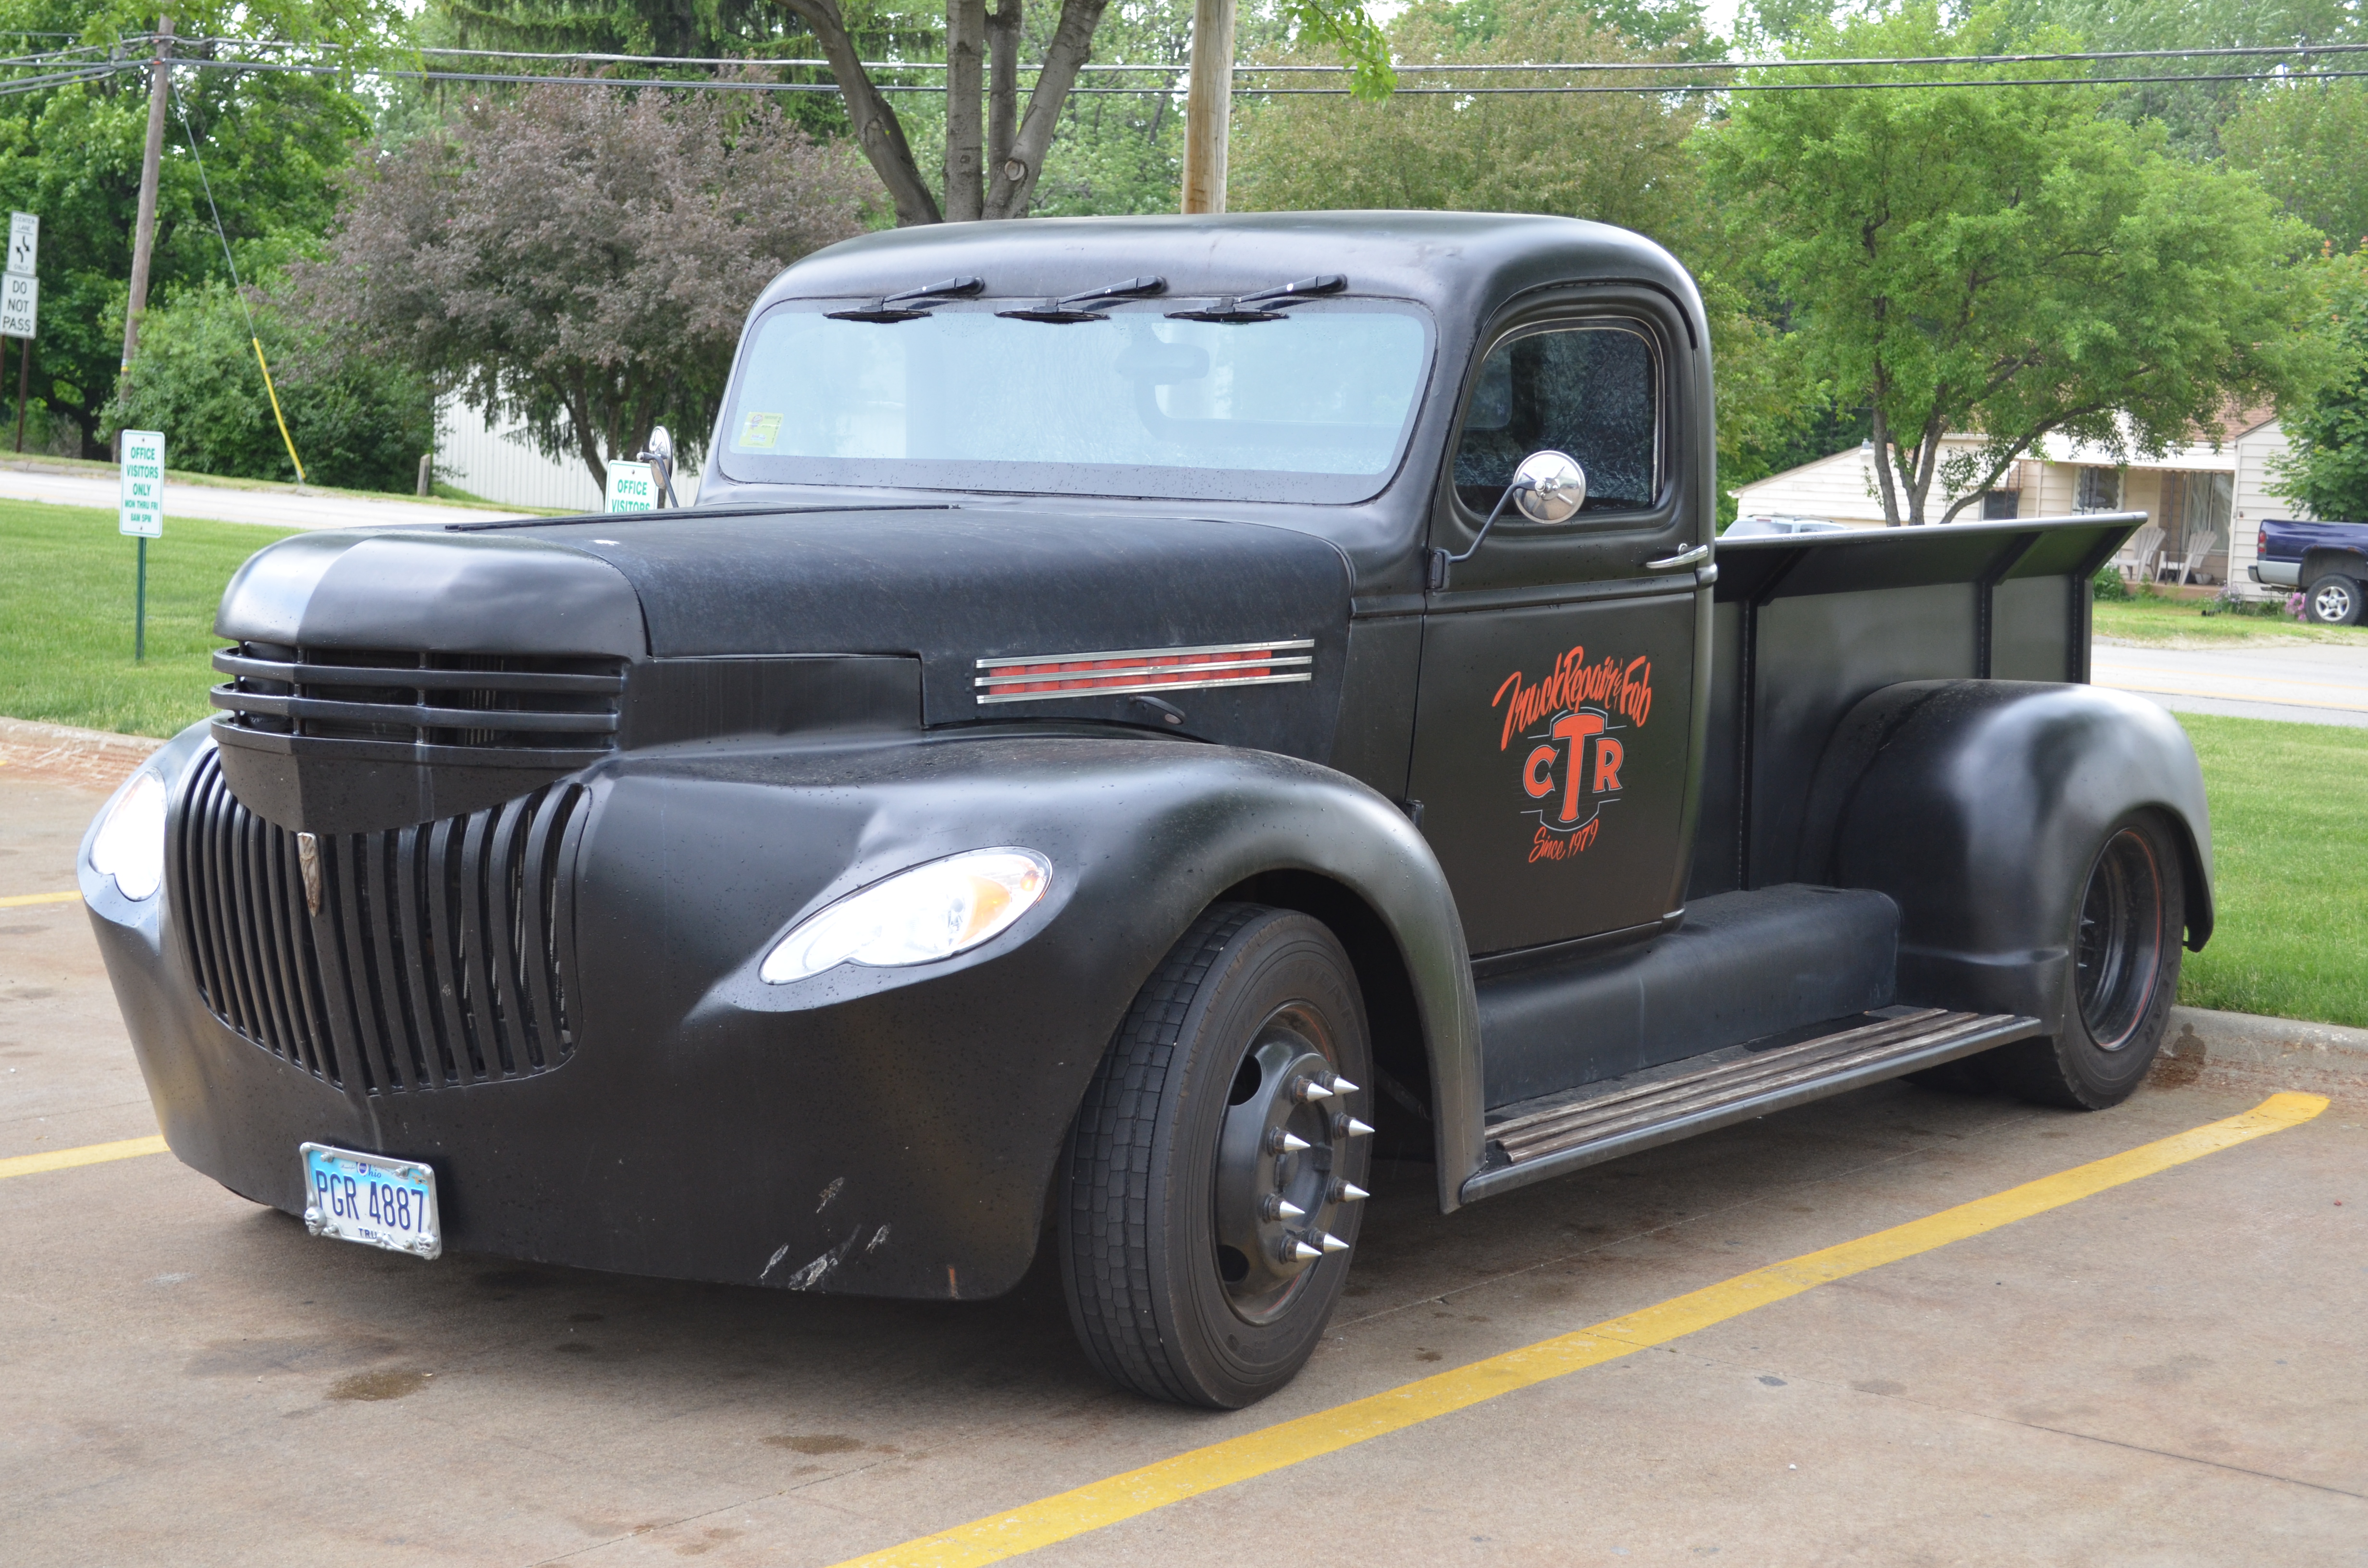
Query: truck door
[(1556, 746)]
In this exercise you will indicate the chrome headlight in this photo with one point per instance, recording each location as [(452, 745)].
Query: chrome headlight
[(129, 845), (930, 912)]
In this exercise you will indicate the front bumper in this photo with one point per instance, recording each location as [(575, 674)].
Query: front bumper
[(870, 1131)]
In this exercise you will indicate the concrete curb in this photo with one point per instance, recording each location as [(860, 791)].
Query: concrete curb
[(2240, 1051)]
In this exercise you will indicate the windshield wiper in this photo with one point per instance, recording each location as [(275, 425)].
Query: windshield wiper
[(1266, 304), (913, 304), (1077, 307)]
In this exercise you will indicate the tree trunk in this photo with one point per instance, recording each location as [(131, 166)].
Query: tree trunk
[(1072, 44), (1002, 84), (1881, 436), (877, 129), (965, 60)]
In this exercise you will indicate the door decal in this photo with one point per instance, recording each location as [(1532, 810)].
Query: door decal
[(1572, 755)]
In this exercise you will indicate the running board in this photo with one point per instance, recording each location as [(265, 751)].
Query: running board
[(1658, 1106)]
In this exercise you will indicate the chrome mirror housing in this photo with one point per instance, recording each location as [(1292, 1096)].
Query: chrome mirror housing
[(1557, 487)]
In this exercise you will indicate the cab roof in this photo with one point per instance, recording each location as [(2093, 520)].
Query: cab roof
[(1461, 265)]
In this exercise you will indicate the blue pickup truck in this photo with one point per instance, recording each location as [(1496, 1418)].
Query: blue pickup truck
[(2329, 562)]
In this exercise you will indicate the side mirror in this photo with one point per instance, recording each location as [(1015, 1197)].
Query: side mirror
[(659, 455), (1549, 487), (1557, 487)]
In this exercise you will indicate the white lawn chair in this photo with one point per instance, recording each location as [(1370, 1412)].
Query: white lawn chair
[(2138, 555), (2194, 561)]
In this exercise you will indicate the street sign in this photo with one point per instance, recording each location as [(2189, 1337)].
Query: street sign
[(141, 510), (633, 488), (20, 304), (24, 242)]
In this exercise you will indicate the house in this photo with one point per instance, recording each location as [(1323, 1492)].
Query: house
[(2207, 498)]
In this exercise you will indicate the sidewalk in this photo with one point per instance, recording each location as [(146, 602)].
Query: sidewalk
[(276, 506)]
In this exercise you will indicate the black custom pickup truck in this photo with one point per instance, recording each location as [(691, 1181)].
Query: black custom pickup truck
[(1143, 711)]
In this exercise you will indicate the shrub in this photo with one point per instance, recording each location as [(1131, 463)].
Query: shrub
[(358, 422), (2110, 583)]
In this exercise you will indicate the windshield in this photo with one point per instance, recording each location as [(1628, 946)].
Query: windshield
[(1313, 406)]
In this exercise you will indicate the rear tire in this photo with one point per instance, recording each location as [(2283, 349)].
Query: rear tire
[(2332, 601), (1180, 1253), (2125, 943)]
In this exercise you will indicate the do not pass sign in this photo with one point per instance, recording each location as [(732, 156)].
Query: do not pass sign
[(141, 510)]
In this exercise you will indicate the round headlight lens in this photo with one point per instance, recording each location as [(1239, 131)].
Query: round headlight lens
[(930, 912), (130, 845)]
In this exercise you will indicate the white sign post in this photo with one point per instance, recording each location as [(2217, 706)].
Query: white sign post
[(141, 512), (633, 488), (20, 303)]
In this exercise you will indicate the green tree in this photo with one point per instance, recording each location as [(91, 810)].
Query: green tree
[(2304, 142), (2006, 263), (1619, 158), (359, 422), (2327, 469), (272, 142)]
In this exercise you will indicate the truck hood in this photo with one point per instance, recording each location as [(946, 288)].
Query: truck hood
[(1234, 633)]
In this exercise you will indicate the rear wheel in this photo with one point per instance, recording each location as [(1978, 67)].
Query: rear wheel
[(2125, 973), (1212, 1182), (2332, 601)]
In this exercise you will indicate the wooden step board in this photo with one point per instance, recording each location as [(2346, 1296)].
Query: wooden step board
[(1660, 1105)]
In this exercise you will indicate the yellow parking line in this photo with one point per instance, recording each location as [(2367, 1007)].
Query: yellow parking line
[(18, 900), (88, 1154), (1101, 1503)]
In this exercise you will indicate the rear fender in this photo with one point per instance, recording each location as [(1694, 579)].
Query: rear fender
[(1976, 804)]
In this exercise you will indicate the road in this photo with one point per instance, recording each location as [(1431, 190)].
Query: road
[(2311, 683), (2168, 1369), (279, 508)]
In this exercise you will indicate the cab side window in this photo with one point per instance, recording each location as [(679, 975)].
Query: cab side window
[(1590, 391)]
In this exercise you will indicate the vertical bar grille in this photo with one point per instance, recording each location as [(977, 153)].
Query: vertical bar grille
[(439, 956)]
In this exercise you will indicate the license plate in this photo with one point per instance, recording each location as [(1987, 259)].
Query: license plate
[(372, 1199)]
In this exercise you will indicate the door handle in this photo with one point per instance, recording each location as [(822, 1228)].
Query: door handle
[(1684, 558)]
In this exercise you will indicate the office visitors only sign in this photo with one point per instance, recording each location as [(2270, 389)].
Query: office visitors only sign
[(141, 508)]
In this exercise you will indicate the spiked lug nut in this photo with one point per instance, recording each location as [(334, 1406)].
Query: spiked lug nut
[(1349, 1192), (1334, 1244), (1297, 1251), (1280, 1141), (1347, 1125), (1306, 1089), (1341, 1086), (1275, 1206)]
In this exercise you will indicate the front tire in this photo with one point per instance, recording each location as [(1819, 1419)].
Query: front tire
[(2125, 944), (1212, 1191), (2332, 601)]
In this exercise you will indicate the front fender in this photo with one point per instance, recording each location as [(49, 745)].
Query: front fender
[(947, 1089), (1976, 806)]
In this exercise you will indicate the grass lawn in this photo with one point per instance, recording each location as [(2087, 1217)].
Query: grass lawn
[(2290, 853), (65, 617), (2289, 808), (2182, 623)]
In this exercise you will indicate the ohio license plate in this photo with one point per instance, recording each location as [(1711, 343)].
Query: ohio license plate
[(372, 1199)]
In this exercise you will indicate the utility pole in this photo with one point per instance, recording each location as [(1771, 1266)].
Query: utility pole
[(143, 232), (1207, 106)]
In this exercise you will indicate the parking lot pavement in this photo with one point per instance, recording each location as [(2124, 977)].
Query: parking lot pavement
[(2168, 1370), (2310, 683)]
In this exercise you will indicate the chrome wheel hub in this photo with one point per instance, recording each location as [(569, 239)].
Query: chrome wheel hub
[(1278, 1190)]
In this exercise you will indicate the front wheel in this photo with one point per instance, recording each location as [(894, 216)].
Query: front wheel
[(2333, 601), (1212, 1187), (2124, 974)]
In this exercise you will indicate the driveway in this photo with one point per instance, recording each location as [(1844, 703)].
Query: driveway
[(286, 508), (2310, 683)]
